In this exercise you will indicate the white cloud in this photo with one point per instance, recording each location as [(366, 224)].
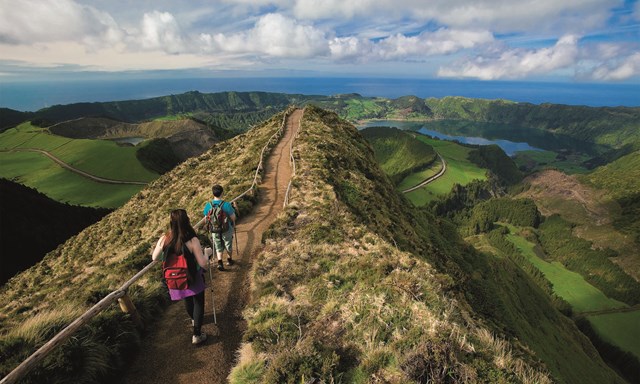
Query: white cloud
[(497, 15), (43, 21), (619, 70), (518, 63), (273, 35), (160, 31), (441, 42)]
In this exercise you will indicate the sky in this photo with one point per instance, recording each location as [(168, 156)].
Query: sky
[(557, 40)]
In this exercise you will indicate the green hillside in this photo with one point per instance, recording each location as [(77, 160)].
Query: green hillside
[(39, 301), (190, 102), (605, 127), (399, 153), (460, 170), (621, 181), (353, 282), (99, 158), (358, 284)]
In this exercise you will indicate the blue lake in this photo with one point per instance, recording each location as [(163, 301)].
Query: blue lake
[(509, 147), (438, 128)]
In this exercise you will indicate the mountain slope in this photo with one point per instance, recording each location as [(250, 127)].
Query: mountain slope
[(38, 302), (353, 284), (31, 225), (398, 153)]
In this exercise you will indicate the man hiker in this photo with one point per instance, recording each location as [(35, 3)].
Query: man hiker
[(221, 219)]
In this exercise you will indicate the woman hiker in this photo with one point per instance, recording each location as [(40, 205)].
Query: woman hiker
[(181, 240)]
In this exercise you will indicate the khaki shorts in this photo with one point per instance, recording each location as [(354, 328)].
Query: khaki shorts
[(224, 241)]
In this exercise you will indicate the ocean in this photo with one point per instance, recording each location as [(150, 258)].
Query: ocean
[(34, 95)]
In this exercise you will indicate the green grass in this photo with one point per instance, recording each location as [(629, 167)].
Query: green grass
[(418, 177), (357, 108), (459, 171), (539, 160), (97, 157), (36, 171), (620, 329), (567, 284)]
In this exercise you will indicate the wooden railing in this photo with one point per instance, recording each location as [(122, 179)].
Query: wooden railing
[(119, 294)]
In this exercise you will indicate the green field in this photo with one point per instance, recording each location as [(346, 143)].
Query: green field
[(621, 329), (538, 160), (418, 177), (569, 285), (38, 172), (459, 171), (97, 157)]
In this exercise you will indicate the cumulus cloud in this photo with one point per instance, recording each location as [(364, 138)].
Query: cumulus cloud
[(43, 21), (517, 63), (273, 35), (160, 31), (399, 47), (618, 70), (499, 15)]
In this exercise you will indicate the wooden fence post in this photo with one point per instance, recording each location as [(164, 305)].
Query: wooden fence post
[(128, 307)]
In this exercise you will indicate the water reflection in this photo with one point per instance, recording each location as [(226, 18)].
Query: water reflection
[(509, 147)]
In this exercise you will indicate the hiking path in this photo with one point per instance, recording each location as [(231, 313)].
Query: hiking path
[(166, 354)]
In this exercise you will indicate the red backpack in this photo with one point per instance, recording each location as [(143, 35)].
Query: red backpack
[(175, 269)]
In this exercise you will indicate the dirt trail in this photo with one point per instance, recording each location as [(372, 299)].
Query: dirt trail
[(167, 355)]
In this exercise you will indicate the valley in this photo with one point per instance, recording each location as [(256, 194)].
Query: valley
[(560, 184)]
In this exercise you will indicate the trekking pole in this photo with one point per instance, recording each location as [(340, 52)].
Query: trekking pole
[(235, 235), (213, 300)]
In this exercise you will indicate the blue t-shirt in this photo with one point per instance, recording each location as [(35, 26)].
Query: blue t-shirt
[(226, 207)]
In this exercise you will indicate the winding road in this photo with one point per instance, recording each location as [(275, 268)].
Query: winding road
[(432, 178)]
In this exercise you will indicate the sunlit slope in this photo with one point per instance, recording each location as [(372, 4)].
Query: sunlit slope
[(98, 158), (356, 283), (36, 303), (399, 153), (460, 170)]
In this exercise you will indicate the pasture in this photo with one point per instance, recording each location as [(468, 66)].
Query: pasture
[(97, 157), (619, 329), (569, 285), (459, 171)]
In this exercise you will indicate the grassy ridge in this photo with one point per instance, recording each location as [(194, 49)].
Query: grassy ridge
[(354, 284)]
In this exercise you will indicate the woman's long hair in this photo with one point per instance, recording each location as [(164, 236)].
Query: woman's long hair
[(181, 232)]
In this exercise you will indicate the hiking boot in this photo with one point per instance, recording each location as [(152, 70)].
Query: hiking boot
[(195, 340), (220, 266), (229, 261)]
